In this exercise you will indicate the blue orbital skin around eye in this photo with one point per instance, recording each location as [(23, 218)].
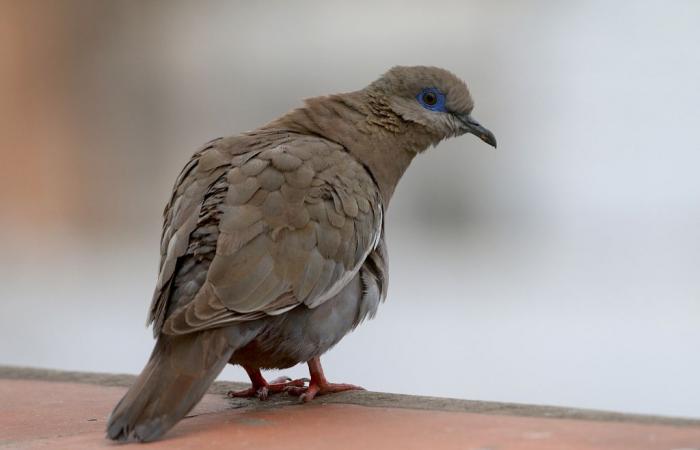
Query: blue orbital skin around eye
[(439, 106)]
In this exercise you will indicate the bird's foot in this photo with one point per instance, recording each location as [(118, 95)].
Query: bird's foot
[(276, 386), (308, 393)]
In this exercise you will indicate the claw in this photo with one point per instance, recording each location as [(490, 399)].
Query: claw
[(263, 393), (318, 385), (250, 392), (306, 394)]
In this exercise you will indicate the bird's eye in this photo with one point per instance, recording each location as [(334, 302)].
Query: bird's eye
[(432, 99)]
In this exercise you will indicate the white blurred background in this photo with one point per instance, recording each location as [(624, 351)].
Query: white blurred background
[(562, 268)]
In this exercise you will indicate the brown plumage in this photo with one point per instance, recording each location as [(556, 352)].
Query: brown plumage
[(272, 247)]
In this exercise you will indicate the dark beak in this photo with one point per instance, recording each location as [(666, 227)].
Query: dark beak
[(475, 128)]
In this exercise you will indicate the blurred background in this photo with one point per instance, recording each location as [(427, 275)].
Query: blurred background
[(562, 268)]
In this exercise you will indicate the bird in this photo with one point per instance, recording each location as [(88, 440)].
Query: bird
[(273, 244)]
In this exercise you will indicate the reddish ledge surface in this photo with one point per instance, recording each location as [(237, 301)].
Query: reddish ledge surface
[(46, 409)]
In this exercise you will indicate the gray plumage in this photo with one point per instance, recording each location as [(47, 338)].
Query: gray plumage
[(273, 240)]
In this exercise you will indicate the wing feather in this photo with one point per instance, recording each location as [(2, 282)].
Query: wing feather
[(295, 225)]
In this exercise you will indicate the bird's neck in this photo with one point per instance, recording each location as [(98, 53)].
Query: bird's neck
[(364, 124)]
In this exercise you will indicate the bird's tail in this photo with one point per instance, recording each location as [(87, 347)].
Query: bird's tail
[(177, 375)]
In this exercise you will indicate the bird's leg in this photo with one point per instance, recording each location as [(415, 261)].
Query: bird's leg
[(318, 384), (261, 389)]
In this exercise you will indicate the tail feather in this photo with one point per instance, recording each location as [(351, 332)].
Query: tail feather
[(177, 375)]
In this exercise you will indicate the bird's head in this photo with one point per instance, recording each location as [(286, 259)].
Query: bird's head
[(433, 98)]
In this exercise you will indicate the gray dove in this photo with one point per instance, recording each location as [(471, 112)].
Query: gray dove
[(273, 243)]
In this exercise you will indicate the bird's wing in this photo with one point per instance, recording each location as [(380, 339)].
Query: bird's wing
[(374, 279), (181, 218), (287, 225)]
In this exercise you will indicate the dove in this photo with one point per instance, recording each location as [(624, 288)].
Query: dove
[(273, 245)]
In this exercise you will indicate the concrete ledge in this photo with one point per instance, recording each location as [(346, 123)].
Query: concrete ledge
[(42, 408)]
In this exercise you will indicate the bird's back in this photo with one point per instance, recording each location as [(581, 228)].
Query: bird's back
[(258, 224)]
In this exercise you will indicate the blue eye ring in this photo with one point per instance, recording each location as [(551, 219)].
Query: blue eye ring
[(432, 99)]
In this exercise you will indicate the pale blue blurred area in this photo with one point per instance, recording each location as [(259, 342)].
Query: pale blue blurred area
[(562, 268)]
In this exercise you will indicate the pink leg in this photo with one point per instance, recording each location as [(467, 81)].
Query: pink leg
[(261, 389), (318, 384)]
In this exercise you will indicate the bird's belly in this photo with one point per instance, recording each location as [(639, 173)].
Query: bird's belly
[(303, 333)]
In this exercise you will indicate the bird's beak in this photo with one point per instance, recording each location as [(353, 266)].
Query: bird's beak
[(472, 126)]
